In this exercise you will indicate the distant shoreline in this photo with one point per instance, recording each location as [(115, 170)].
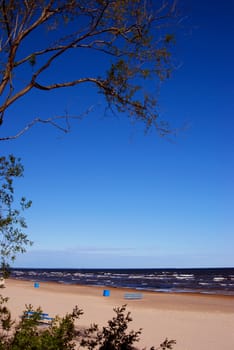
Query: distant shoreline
[(126, 289)]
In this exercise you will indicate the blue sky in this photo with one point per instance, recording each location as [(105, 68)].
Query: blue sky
[(107, 195)]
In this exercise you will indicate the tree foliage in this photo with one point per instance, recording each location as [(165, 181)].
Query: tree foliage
[(62, 334), (13, 240), (135, 36)]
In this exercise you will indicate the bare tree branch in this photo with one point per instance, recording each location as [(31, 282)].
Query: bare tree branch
[(53, 121)]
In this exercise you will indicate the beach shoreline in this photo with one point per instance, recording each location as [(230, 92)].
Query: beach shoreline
[(187, 280), (196, 321)]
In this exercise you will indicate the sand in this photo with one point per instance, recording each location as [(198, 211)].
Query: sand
[(197, 322)]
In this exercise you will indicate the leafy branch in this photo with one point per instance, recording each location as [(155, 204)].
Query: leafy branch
[(133, 33)]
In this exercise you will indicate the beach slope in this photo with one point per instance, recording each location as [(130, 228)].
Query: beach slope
[(196, 322)]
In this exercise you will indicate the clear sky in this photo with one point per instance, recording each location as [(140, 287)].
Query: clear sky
[(107, 195)]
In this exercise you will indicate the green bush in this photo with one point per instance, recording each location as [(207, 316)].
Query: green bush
[(61, 333)]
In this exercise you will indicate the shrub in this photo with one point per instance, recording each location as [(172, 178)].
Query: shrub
[(61, 333)]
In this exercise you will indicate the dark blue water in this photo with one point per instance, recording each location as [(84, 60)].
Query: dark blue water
[(211, 281)]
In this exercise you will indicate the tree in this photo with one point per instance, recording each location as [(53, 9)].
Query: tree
[(136, 35), (12, 224)]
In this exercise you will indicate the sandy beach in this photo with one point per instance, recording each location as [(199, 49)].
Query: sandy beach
[(197, 322)]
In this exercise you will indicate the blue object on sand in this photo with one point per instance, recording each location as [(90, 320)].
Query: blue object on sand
[(106, 293), (44, 318), (36, 285), (133, 296)]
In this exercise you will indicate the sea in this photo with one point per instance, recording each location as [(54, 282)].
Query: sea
[(193, 280)]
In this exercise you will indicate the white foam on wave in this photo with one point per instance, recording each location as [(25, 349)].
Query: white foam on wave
[(217, 279), (184, 276)]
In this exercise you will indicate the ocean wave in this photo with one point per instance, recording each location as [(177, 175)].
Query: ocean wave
[(173, 280)]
